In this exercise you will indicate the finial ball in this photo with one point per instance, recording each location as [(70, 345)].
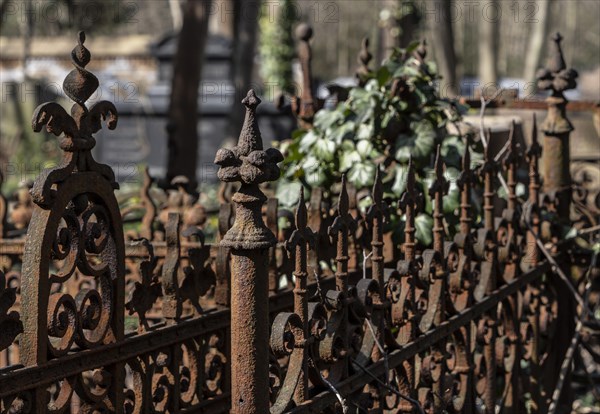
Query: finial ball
[(304, 32)]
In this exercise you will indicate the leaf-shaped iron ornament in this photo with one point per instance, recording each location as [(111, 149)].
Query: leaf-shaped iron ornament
[(75, 129)]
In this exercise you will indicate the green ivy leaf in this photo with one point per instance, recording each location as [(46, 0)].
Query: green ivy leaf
[(348, 159), (361, 174), (420, 144), (288, 193), (424, 229), (324, 149)]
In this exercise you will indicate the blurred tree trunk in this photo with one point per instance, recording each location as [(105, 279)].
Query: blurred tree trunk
[(443, 41), (183, 109), (489, 35), (223, 22), (535, 47), (399, 29), (176, 15), (244, 49)]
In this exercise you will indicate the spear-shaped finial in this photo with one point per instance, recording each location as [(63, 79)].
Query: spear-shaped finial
[(488, 171), (464, 182), (533, 154), (409, 203), (343, 225), (437, 191)]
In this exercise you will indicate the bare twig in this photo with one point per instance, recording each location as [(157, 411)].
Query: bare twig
[(566, 365), (390, 388), (484, 104), (366, 257), (342, 400)]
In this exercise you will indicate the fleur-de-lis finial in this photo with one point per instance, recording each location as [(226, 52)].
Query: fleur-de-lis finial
[(247, 162), (77, 127), (556, 77), (250, 165)]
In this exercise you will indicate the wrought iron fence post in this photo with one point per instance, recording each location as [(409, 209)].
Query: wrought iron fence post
[(76, 215), (249, 240), (557, 127)]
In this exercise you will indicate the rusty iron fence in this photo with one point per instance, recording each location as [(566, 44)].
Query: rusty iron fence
[(94, 318)]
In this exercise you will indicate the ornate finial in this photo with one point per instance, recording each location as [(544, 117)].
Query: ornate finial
[(535, 149), (80, 84), (343, 203), (556, 61), (305, 106), (556, 77), (343, 218), (377, 187), (439, 187), (440, 184), (379, 208), (488, 171), (77, 127), (533, 154), (304, 32), (364, 57), (247, 162), (464, 182), (302, 233), (409, 203), (250, 165)]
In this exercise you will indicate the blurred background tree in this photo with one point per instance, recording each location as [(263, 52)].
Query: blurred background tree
[(278, 49)]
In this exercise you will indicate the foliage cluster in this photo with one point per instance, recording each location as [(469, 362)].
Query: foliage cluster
[(396, 115)]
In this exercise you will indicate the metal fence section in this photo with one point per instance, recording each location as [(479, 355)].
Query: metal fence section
[(94, 318)]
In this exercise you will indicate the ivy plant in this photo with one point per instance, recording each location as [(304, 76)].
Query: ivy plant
[(397, 114)]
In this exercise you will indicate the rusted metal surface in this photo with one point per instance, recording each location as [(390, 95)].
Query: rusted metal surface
[(557, 128), (249, 240)]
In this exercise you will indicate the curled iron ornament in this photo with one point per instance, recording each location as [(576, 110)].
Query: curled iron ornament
[(76, 129)]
